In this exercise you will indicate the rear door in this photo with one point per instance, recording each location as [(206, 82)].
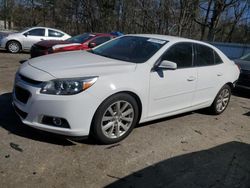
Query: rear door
[(54, 35), (210, 74)]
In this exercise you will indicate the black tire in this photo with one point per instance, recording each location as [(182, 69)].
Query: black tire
[(13, 46), (96, 128), (213, 108)]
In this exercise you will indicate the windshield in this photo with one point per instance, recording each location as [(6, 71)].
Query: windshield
[(130, 48), (80, 38), (246, 57)]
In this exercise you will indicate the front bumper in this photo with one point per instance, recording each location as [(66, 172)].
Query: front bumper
[(78, 110), (3, 42)]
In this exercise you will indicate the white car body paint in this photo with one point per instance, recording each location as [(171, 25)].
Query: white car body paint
[(184, 89)]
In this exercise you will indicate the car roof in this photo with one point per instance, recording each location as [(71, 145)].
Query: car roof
[(38, 27), (102, 34), (170, 38)]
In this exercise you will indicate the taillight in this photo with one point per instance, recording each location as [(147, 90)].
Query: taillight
[(238, 67)]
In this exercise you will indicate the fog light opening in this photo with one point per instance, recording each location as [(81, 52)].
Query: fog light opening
[(57, 121)]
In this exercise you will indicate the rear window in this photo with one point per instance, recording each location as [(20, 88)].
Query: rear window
[(246, 57), (217, 59), (204, 55), (81, 38), (101, 40), (53, 33)]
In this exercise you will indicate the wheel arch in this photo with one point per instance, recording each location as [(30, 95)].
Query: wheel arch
[(133, 94), (231, 85), (15, 40)]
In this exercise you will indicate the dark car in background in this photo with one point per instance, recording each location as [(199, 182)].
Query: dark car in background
[(244, 65), (84, 41)]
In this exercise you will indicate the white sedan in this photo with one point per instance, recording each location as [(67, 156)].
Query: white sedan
[(23, 40), (131, 79)]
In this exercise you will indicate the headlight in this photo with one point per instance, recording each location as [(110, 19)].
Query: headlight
[(67, 86)]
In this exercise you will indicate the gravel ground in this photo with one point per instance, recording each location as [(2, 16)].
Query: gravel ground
[(189, 150)]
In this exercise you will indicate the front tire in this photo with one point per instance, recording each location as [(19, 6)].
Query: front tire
[(115, 118), (221, 100), (13, 46)]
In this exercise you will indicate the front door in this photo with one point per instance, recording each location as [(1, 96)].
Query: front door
[(33, 36), (173, 90)]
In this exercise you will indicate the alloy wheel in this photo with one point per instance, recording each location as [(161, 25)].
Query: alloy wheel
[(117, 119), (13, 47), (223, 100)]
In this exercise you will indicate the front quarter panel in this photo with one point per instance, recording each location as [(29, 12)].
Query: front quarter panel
[(136, 82)]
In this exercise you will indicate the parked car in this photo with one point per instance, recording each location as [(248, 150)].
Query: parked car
[(23, 40), (131, 79), (244, 64), (84, 41)]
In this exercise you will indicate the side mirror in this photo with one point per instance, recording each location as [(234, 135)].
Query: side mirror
[(169, 65), (26, 34), (92, 45)]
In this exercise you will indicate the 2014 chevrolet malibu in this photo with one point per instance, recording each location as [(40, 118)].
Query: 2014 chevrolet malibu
[(129, 80)]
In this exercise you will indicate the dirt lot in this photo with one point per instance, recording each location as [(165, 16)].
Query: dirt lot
[(189, 150)]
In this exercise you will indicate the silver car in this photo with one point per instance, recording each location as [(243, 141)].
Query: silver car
[(24, 39)]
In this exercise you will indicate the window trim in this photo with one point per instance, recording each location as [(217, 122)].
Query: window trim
[(215, 53)]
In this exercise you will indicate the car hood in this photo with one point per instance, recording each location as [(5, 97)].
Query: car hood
[(16, 34), (50, 43), (57, 46), (243, 64), (78, 64)]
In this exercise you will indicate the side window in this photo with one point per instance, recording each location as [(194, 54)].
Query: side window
[(181, 54), (36, 32), (204, 55), (53, 33), (217, 59), (100, 40)]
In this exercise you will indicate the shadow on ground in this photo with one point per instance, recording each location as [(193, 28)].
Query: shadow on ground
[(6, 51), (227, 165), (241, 93), (12, 123)]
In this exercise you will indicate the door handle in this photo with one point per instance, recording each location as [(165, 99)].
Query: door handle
[(41, 39), (219, 74), (191, 78)]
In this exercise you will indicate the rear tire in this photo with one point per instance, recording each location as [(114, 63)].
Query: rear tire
[(221, 100), (115, 118), (13, 46)]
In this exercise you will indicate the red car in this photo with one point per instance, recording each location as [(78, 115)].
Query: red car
[(85, 41)]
